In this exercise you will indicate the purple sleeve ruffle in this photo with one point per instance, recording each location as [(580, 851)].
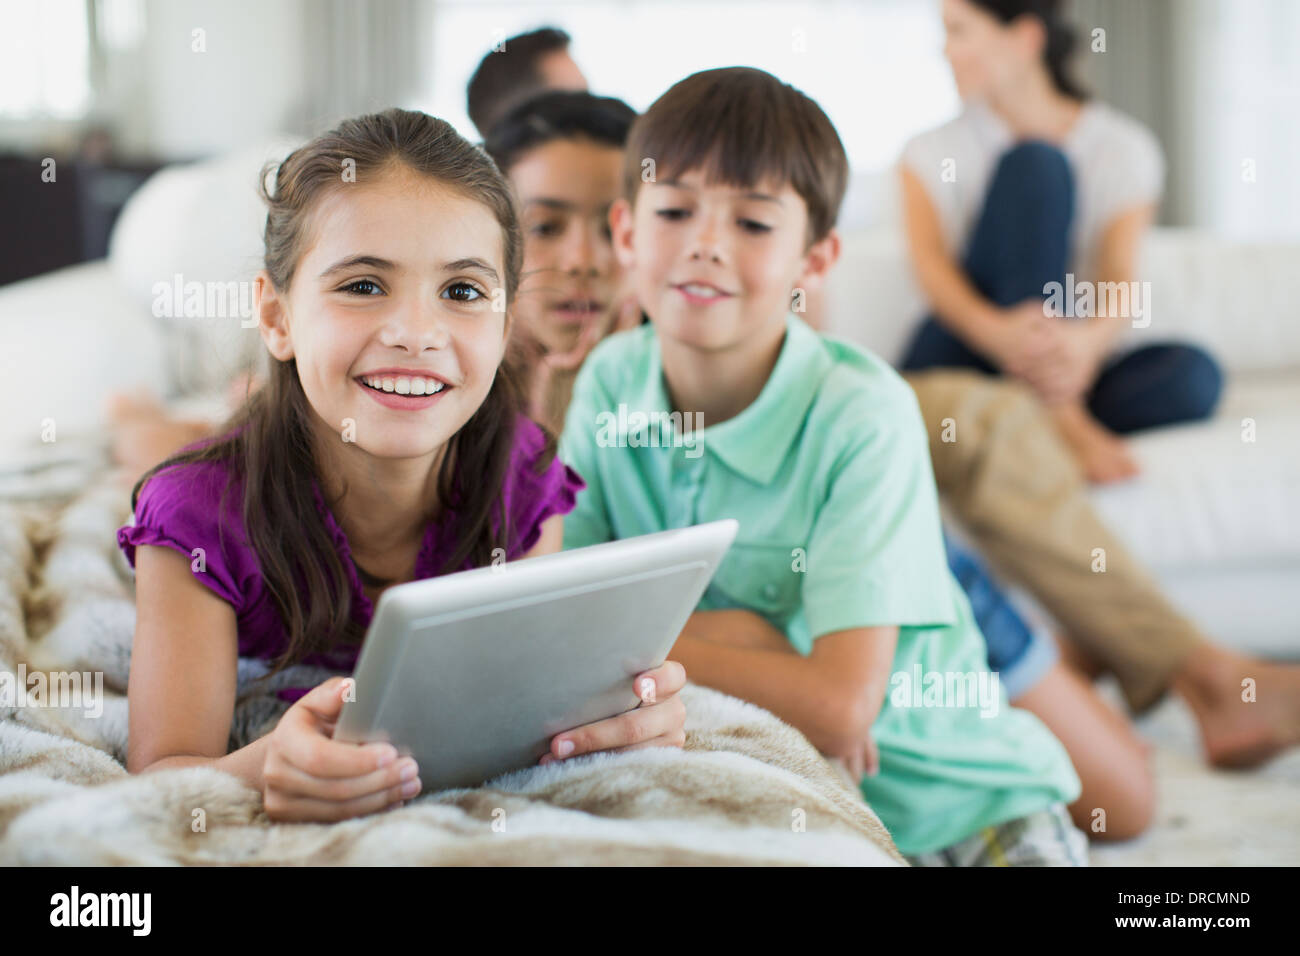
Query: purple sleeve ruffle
[(534, 497)]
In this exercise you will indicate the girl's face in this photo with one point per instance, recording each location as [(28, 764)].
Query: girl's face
[(565, 188), (396, 288), (988, 57)]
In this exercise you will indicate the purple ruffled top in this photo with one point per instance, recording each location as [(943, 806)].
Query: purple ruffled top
[(177, 509)]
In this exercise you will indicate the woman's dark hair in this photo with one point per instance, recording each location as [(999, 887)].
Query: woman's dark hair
[(558, 114), (1060, 36), (269, 442)]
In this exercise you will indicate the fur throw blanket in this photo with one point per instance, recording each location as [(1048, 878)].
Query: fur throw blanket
[(746, 789)]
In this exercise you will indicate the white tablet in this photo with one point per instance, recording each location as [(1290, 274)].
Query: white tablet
[(473, 673)]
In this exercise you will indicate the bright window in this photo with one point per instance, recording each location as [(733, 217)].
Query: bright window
[(44, 59), (877, 68)]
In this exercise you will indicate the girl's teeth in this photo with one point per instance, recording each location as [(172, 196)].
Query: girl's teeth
[(404, 385)]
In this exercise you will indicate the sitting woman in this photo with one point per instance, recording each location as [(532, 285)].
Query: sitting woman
[(1032, 183)]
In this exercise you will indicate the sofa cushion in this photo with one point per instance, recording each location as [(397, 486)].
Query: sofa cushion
[(1210, 498)]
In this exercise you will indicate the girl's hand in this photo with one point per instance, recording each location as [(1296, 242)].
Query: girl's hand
[(658, 721), (307, 775)]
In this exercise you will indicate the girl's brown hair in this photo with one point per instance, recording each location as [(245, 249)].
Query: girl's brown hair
[(268, 441)]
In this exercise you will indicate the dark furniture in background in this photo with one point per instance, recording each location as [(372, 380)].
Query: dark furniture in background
[(47, 225)]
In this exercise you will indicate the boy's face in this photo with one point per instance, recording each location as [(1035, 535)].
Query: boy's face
[(715, 265), (398, 275), (571, 276)]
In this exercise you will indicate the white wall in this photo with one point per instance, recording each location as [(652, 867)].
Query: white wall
[(244, 89), (1240, 68)]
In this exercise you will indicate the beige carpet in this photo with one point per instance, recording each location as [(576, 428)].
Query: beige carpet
[(1208, 817)]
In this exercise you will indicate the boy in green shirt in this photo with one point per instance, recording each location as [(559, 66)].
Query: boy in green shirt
[(835, 608)]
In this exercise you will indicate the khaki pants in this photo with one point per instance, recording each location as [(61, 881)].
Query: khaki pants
[(1017, 490)]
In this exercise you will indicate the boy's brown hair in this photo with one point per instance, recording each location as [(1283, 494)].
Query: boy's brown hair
[(742, 125)]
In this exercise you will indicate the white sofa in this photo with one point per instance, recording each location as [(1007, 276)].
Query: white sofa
[(1216, 518)]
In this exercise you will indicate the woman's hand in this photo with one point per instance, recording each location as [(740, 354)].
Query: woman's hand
[(308, 775), (1057, 357), (1070, 372), (658, 721), (1021, 340)]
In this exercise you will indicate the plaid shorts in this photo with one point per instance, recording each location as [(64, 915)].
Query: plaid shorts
[(1046, 838)]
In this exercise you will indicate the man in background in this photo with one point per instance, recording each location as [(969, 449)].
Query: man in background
[(519, 68)]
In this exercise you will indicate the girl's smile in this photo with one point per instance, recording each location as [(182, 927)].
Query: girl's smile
[(405, 393), (389, 316)]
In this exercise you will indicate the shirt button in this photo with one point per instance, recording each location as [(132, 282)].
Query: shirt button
[(769, 591)]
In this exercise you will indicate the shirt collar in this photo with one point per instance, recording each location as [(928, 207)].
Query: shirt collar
[(756, 442)]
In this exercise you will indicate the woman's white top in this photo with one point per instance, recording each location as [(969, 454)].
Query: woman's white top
[(1117, 165)]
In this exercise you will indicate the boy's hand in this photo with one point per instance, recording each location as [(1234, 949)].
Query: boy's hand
[(307, 775), (861, 760), (658, 721)]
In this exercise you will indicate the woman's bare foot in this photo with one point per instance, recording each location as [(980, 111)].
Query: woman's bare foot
[(1103, 456), (1248, 709)]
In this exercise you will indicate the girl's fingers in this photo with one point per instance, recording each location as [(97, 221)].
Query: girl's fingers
[(292, 781), (325, 700), (291, 809), (659, 683), (646, 722), (572, 359), (304, 746)]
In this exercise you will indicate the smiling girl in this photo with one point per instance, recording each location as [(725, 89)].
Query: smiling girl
[(388, 445)]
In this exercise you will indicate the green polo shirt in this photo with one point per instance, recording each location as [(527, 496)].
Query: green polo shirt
[(828, 473)]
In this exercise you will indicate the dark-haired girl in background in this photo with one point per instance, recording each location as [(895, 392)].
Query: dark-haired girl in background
[(1031, 182), (562, 151)]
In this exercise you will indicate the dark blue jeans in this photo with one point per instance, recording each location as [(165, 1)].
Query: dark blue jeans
[(1019, 244)]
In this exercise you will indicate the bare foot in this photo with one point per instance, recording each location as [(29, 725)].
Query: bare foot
[(1103, 456), (140, 444), (1242, 724), (126, 406)]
